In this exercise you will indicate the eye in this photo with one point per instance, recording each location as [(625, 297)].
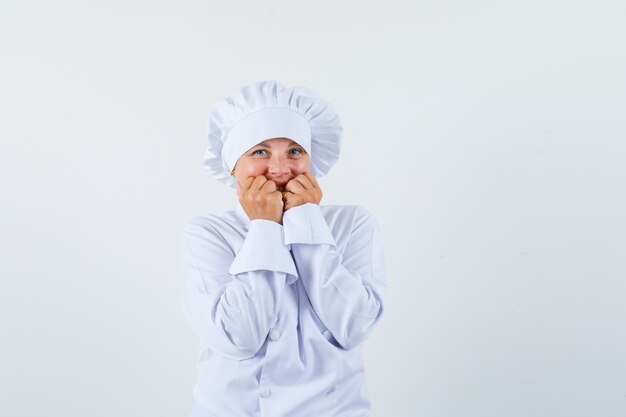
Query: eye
[(260, 152), (295, 151)]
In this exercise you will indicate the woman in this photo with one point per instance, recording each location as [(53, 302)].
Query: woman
[(282, 292)]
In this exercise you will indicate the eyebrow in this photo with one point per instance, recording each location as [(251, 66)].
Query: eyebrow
[(293, 142)]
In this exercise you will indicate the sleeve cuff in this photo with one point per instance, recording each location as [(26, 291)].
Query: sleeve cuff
[(306, 224), (264, 249)]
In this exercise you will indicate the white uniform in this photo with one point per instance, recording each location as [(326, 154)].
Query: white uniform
[(281, 311)]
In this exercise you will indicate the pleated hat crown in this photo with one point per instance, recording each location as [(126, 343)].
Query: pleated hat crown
[(266, 110)]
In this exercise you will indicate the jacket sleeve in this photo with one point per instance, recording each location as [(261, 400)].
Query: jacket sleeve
[(232, 300), (346, 290)]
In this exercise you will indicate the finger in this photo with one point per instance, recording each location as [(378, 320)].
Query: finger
[(286, 204), (302, 179), (268, 187), (279, 197), (312, 179), (245, 185), (258, 182), (292, 201), (294, 186), (278, 193)]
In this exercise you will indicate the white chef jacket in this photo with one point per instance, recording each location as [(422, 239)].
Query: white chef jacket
[(282, 311)]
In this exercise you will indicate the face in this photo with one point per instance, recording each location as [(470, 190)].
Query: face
[(278, 159)]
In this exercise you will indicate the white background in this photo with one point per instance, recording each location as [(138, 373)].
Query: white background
[(486, 136)]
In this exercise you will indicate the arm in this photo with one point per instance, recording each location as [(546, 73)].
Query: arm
[(345, 290), (231, 301)]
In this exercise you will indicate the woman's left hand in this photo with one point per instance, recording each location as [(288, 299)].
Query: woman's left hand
[(301, 190)]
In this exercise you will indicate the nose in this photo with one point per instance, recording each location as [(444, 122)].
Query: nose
[(278, 166)]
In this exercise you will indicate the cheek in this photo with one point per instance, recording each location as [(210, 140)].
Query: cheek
[(249, 168), (253, 169), (302, 165)]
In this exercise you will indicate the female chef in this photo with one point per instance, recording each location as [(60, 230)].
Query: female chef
[(282, 291)]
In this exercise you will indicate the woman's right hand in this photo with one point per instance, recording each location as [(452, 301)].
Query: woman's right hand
[(260, 199)]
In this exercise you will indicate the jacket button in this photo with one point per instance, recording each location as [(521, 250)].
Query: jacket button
[(265, 393), (327, 334), (274, 335)]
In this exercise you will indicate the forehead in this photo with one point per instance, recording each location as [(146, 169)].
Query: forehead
[(275, 141)]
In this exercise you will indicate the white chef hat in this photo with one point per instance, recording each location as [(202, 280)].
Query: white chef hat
[(266, 110)]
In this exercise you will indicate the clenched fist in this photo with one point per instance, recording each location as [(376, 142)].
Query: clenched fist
[(260, 199), (301, 190)]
